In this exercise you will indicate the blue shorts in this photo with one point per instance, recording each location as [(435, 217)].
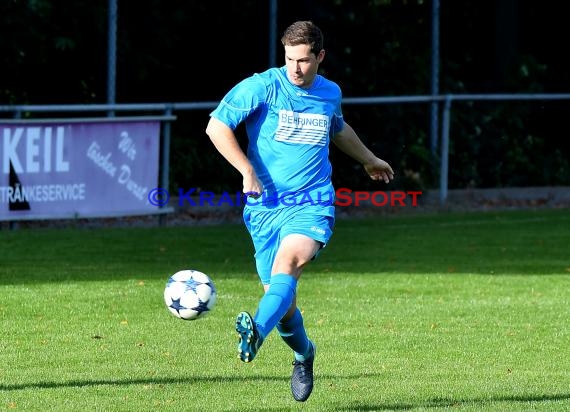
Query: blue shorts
[(268, 227)]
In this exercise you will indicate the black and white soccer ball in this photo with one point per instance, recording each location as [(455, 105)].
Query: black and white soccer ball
[(190, 294)]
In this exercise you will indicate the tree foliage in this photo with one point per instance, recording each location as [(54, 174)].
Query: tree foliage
[(55, 51)]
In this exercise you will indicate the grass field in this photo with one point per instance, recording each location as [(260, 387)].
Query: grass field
[(462, 312)]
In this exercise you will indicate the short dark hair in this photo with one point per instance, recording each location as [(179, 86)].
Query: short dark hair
[(303, 32)]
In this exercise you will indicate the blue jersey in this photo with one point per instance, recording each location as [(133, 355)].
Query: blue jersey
[(289, 130)]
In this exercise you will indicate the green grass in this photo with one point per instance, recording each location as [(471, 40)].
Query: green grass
[(426, 313)]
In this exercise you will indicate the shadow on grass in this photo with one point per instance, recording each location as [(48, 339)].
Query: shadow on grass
[(453, 403), (125, 382), (521, 243), (361, 406)]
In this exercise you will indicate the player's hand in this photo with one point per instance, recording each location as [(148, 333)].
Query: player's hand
[(252, 186), (378, 169)]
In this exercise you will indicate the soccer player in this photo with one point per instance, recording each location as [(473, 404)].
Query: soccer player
[(291, 114)]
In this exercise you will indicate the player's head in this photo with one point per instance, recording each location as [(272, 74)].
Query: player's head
[(303, 43), (306, 33)]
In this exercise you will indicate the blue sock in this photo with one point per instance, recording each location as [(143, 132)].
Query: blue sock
[(293, 333), (275, 303)]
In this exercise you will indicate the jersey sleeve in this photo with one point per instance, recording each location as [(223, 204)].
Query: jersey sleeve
[(337, 122), (242, 100)]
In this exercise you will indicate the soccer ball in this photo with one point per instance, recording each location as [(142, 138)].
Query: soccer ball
[(190, 294)]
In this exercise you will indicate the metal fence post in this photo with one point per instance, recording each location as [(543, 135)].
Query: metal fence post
[(112, 54), (164, 169), (443, 175), (434, 78)]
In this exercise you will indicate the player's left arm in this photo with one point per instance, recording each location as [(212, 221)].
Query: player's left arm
[(348, 141)]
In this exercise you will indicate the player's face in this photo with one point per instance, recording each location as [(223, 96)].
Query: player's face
[(302, 65)]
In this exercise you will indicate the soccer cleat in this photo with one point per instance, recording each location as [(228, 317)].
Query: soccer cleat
[(302, 378), (249, 339)]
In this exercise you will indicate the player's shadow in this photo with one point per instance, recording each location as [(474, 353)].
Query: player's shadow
[(151, 381)]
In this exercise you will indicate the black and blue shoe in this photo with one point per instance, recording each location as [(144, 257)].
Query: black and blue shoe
[(302, 377)]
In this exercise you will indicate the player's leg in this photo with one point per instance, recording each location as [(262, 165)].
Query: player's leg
[(295, 250), (292, 330), (316, 224), (293, 253), (289, 240)]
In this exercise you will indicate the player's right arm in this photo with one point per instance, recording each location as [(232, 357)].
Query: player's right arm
[(225, 141)]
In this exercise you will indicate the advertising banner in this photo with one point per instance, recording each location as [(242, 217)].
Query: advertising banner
[(77, 169)]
